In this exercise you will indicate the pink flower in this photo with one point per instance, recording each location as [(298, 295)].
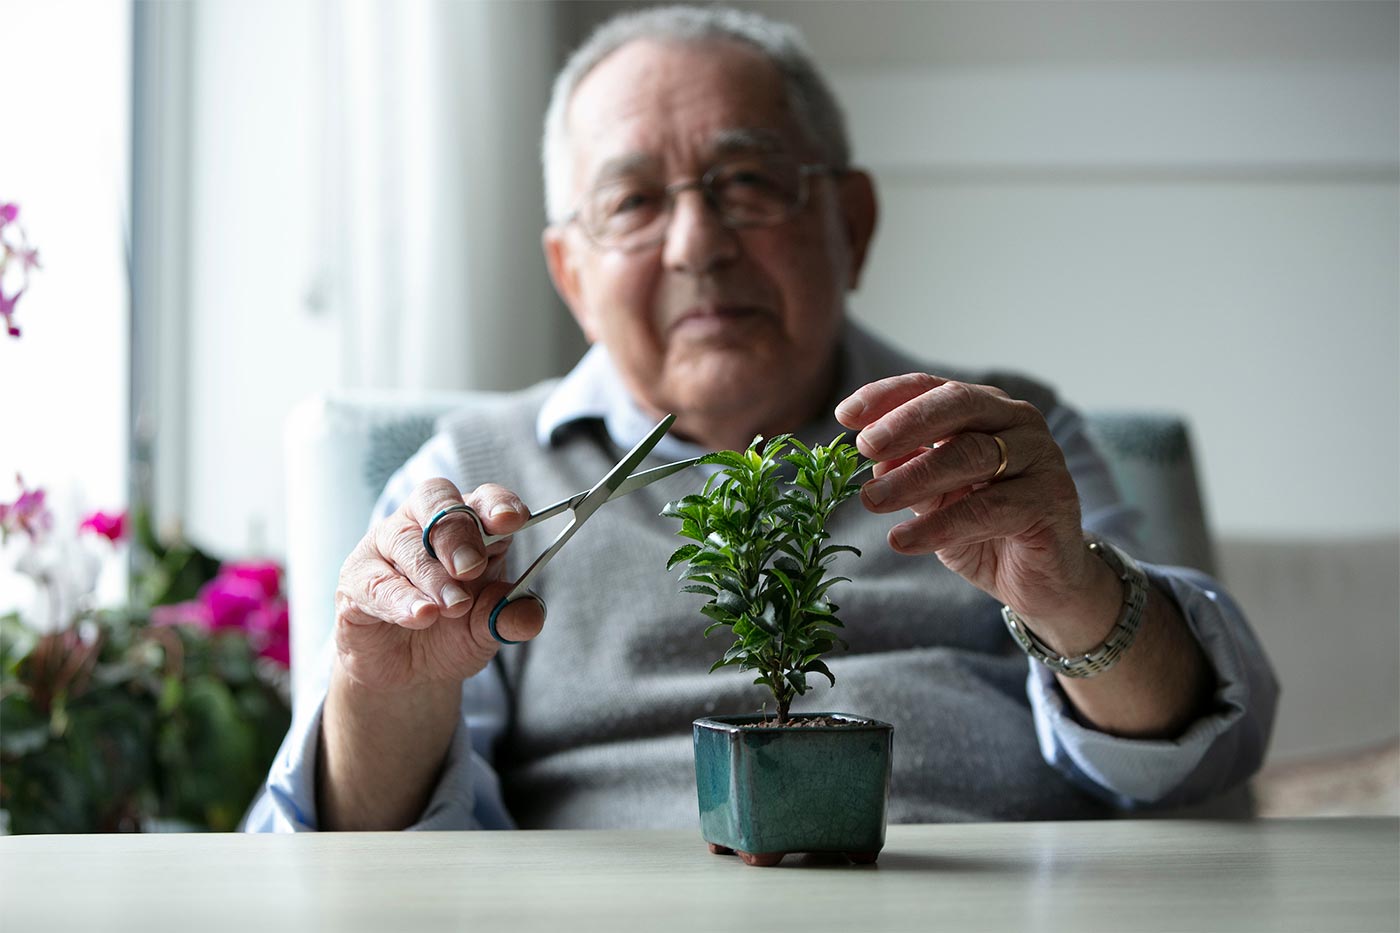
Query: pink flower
[(187, 613), (15, 253), (278, 649), (269, 630), (110, 525), (244, 597), (27, 513), (265, 573), (7, 311), (230, 601)]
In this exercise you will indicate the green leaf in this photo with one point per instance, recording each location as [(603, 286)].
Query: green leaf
[(818, 667), (726, 458), (682, 553), (705, 557), (767, 619), (711, 611), (698, 588), (833, 549), (798, 681), (787, 565), (731, 602)]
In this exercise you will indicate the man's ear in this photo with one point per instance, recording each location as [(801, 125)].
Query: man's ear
[(561, 257), (860, 210)]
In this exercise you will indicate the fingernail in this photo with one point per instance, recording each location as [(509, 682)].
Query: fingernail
[(876, 491), (453, 595), (876, 437), (502, 509), (418, 606), (465, 560), (901, 535), (850, 408)]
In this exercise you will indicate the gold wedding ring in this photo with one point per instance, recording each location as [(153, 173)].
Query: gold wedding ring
[(1001, 467)]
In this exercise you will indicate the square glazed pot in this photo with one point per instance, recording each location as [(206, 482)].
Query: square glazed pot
[(765, 792)]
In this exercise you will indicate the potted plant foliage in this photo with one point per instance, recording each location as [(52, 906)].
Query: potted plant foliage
[(771, 785)]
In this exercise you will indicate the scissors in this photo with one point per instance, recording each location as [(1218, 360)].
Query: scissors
[(618, 482)]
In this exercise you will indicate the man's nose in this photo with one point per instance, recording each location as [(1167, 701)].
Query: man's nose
[(697, 240)]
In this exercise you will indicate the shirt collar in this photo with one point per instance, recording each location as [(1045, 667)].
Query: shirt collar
[(593, 390)]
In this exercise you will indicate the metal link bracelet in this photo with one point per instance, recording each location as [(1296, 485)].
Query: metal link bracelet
[(1119, 639)]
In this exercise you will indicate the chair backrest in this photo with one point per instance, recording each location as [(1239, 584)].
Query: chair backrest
[(342, 447), (1149, 455)]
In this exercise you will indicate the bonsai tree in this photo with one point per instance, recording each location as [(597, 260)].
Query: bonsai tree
[(760, 553)]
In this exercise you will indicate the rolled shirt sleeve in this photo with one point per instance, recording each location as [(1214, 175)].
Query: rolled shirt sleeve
[(1218, 751), (468, 793)]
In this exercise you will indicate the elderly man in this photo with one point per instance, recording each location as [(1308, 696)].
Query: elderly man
[(706, 225)]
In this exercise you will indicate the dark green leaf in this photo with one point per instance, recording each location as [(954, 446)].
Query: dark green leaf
[(731, 602), (818, 667), (682, 553)]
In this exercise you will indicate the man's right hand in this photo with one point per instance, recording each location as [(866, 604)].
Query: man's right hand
[(405, 620), (408, 630)]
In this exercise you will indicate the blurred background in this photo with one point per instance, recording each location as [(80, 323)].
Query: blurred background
[(1190, 208)]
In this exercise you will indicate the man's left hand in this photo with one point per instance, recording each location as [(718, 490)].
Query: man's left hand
[(1006, 518)]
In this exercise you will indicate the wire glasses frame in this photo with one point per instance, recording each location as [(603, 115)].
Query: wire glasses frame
[(744, 193)]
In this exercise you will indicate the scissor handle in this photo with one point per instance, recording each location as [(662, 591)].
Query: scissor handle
[(487, 539), (428, 529), (506, 601)]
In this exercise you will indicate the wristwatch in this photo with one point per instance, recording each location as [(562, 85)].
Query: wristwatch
[(1119, 639)]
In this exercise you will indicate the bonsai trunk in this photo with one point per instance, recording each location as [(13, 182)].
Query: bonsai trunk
[(783, 696)]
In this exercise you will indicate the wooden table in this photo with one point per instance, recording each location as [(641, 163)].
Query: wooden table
[(1277, 875)]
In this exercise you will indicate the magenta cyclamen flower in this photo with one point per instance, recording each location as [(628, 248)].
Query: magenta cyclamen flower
[(27, 513), (110, 525), (245, 596), (17, 257)]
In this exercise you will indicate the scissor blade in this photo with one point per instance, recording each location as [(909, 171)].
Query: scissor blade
[(599, 494), (645, 478), (618, 475)]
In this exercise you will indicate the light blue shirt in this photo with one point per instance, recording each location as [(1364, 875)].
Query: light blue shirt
[(1218, 751)]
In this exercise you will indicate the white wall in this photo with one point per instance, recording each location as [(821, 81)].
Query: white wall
[(1192, 207)]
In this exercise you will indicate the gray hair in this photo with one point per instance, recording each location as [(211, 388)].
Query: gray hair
[(810, 97)]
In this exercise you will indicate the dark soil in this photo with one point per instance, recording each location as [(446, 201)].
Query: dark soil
[(803, 722)]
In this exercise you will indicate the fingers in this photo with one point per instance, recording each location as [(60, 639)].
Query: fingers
[(903, 413), (1027, 508), (964, 460), (990, 513), (392, 578), (372, 590), (456, 538), (521, 620)]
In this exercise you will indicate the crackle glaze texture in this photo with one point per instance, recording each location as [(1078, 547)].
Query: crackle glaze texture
[(793, 789)]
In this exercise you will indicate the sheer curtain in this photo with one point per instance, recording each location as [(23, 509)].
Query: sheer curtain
[(363, 211), (432, 197)]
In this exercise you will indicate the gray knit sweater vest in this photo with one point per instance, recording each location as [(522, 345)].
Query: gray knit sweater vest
[(603, 700)]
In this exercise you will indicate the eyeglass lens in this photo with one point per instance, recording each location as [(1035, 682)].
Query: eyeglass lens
[(754, 191)]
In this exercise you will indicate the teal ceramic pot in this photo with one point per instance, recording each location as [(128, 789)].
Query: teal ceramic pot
[(766, 792)]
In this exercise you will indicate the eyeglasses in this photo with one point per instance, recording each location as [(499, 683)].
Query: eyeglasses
[(754, 191)]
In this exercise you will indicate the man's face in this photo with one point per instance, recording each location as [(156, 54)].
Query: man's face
[(721, 326)]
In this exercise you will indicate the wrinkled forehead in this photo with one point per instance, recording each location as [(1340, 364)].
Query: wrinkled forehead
[(675, 107)]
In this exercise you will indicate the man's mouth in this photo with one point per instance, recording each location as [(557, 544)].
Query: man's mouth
[(714, 319)]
